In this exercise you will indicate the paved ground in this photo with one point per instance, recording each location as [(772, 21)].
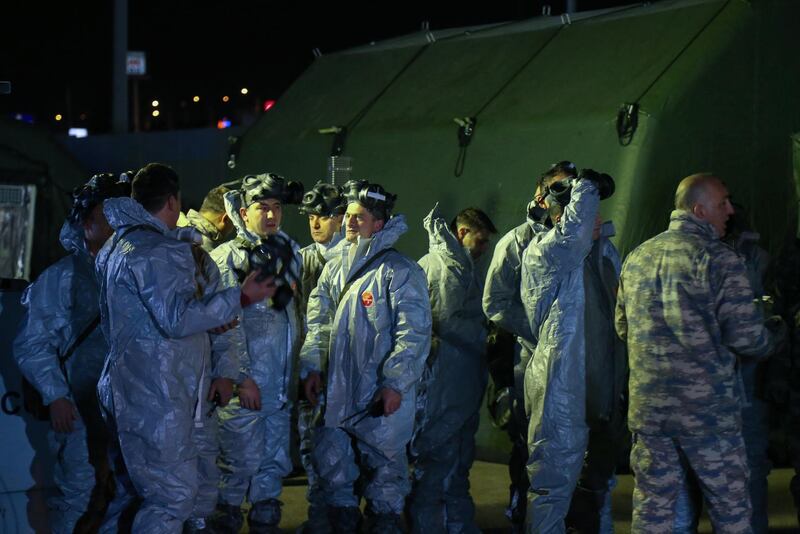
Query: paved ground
[(489, 489)]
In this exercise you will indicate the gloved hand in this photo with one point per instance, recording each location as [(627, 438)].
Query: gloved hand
[(604, 182)]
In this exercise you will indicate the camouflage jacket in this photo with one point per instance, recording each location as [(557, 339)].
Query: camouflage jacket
[(684, 307)]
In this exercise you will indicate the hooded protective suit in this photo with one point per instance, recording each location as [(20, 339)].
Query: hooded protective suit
[(221, 362), (211, 237), (156, 318), (554, 294), (377, 336), (503, 306), (452, 387), (255, 444), (59, 306), (315, 257)]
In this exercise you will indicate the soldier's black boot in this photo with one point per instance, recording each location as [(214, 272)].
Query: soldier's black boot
[(227, 519), (344, 519), (265, 516)]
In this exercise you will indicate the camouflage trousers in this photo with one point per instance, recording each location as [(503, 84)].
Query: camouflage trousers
[(660, 464)]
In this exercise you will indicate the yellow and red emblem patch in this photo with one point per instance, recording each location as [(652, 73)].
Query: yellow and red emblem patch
[(367, 299)]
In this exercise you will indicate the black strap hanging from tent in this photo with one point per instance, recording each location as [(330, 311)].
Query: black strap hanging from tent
[(627, 122), (466, 125), (628, 114), (466, 128), (340, 132)]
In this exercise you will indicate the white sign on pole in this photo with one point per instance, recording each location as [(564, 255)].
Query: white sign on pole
[(136, 64)]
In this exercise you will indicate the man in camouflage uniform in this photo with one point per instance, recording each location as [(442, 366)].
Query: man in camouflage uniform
[(690, 307)]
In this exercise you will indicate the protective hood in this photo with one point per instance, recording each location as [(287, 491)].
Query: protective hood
[(201, 224), (233, 202), (441, 240), (386, 238), (328, 249), (71, 238), (123, 211)]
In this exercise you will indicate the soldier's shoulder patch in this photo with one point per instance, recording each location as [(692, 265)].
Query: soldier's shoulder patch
[(367, 299)]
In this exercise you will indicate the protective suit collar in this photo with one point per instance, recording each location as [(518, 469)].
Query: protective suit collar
[(683, 221), (538, 225), (328, 249), (205, 227), (72, 240), (442, 240), (124, 211), (233, 201), (386, 238)]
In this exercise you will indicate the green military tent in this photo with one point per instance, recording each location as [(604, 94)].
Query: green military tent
[(648, 93), (34, 171)]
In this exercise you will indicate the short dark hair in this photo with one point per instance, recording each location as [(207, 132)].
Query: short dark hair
[(556, 169), (153, 185), (214, 201), (473, 218)]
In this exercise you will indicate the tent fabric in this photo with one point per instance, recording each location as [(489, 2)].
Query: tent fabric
[(712, 79), (796, 174)]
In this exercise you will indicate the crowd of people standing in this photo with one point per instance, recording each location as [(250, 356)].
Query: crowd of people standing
[(177, 355)]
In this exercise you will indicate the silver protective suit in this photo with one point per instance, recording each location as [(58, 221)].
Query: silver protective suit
[(59, 306), (378, 336), (156, 316), (452, 387), (255, 444), (211, 237), (555, 379), (503, 306), (315, 256), (222, 362)]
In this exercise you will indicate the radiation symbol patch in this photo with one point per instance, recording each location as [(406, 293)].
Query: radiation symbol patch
[(367, 299)]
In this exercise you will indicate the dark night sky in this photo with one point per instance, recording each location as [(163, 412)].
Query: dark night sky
[(60, 52)]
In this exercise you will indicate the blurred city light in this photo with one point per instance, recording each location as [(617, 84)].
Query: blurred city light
[(195, 99), (268, 104), (58, 116), (225, 98), (223, 123), (24, 117), (155, 103), (156, 113), (244, 90)]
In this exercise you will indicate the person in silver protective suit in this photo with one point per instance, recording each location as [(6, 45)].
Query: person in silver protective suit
[(211, 221), (61, 352), (216, 391), (455, 377), (369, 331), (324, 205), (255, 426), (503, 306), (155, 319), (575, 379)]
